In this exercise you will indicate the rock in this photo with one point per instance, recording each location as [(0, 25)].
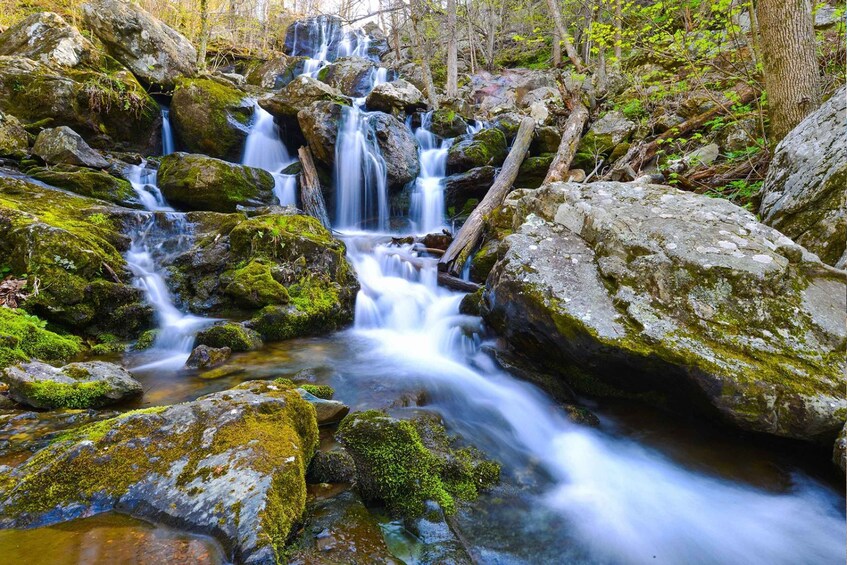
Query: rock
[(78, 385), (229, 335), (647, 290), (803, 195), (399, 149), (377, 41), (470, 185), (87, 182), (319, 124), (483, 261), (498, 94), (205, 357), (328, 411), (352, 76), (546, 139), (508, 124), (154, 52), (22, 338), (827, 16), (486, 147), (334, 466), (699, 158), (839, 450), (111, 111), (276, 73), (46, 37), (211, 118), (63, 145), (607, 133), (740, 135), (299, 94), (14, 140), (396, 98), (447, 124), (412, 73), (197, 182), (663, 120), (533, 170), (230, 465), (304, 37)]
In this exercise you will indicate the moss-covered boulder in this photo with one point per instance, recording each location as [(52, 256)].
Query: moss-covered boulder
[(211, 117), (604, 135), (545, 139), (682, 300), (14, 140), (486, 147), (78, 385), (459, 188), (447, 123), (299, 94), (24, 337), (88, 182), (286, 271), (533, 170), (405, 464), (229, 334), (72, 246), (197, 182), (46, 37), (231, 465), (109, 109)]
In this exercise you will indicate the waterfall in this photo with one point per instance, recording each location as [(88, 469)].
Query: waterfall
[(264, 149), (427, 211), (167, 132)]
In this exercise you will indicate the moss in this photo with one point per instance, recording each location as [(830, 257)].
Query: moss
[(282, 236), (87, 182), (315, 308), (234, 336), (321, 391), (62, 395), (146, 340), (23, 337), (254, 286)]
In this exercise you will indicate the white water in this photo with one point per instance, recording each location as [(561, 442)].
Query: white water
[(427, 213), (167, 132), (264, 149)]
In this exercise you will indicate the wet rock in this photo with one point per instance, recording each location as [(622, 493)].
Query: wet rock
[(154, 52), (14, 140), (63, 145), (205, 357), (197, 182), (46, 37), (87, 182), (839, 450), (803, 195), (276, 73), (211, 117), (111, 111), (328, 411), (396, 98), (647, 290), (230, 465), (352, 76), (483, 261), (486, 147), (299, 95), (304, 37), (78, 385), (470, 185), (399, 149), (334, 466), (438, 542), (22, 433), (447, 123), (319, 124), (229, 335)]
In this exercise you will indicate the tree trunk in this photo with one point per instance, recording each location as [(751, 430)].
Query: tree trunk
[(618, 34), (466, 240), (553, 6), (571, 134), (452, 86), (204, 35), (395, 32), (471, 42), (311, 196), (417, 40), (790, 64), (557, 48)]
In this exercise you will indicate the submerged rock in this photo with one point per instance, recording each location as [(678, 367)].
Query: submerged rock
[(154, 52), (231, 465), (396, 97), (299, 94), (78, 385), (63, 145), (205, 357), (486, 147), (211, 117), (647, 290), (804, 193), (46, 37), (197, 182)]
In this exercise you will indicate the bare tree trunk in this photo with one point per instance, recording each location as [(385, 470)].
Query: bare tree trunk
[(489, 40), (395, 32), (553, 6), (791, 69), (755, 40), (417, 40), (204, 34), (466, 240), (557, 48), (471, 42), (571, 134), (452, 86), (311, 196), (618, 32)]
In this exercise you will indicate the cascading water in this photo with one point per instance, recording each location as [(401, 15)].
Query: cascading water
[(167, 133), (427, 212), (264, 149)]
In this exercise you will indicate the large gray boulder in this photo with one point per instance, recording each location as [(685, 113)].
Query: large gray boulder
[(299, 94), (804, 194), (649, 291), (46, 37), (319, 124), (353, 76), (78, 385), (396, 97), (486, 147), (230, 465), (155, 53), (399, 149), (63, 146)]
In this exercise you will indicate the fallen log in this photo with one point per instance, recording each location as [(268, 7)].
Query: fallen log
[(468, 237), (310, 188), (571, 135)]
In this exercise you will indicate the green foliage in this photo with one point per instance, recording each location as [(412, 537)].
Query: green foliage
[(23, 337), (739, 191)]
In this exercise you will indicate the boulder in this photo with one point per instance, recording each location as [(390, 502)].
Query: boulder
[(63, 146), (319, 124), (508, 124), (154, 52), (88, 182), (23, 338), (111, 111), (276, 73), (46, 37), (197, 182), (205, 357), (327, 411), (470, 185), (230, 465), (78, 385), (486, 147), (211, 117), (377, 41), (397, 97), (14, 140), (546, 139), (352, 76), (739, 135), (685, 300), (304, 37), (447, 123), (607, 133), (533, 170), (399, 149), (299, 94), (230, 335), (803, 195)]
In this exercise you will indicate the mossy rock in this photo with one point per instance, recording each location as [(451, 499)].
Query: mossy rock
[(88, 182), (254, 286), (24, 337), (486, 147), (211, 117), (448, 123), (324, 392), (14, 140), (232, 335), (231, 465), (533, 170)]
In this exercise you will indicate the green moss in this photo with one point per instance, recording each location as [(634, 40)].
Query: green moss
[(234, 336), (87, 182), (254, 286), (61, 395), (23, 337), (202, 110), (321, 391), (315, 309), (282, 236), (146, 340)]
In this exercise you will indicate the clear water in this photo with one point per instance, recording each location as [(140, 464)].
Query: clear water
[(167, 132), (427, 212)]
